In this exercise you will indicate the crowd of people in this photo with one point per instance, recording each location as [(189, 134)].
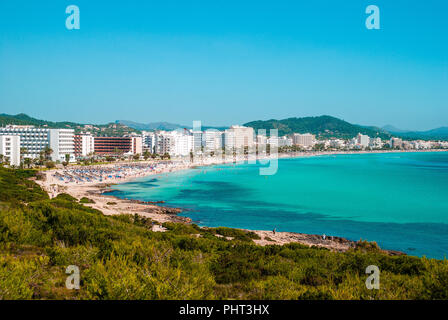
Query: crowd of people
[(111, 173)]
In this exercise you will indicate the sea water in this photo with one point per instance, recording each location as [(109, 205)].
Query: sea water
[(399, 200)]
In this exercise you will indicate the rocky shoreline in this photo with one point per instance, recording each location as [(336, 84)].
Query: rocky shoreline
[(161, 214)]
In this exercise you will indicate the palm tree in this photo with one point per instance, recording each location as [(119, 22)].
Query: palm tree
[(47, 152), (23, 151), (67, 160), (35, 161), (27, 162)]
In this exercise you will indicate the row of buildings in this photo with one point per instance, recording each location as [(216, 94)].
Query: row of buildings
[(362, 142), (19, 142), (182, 142)]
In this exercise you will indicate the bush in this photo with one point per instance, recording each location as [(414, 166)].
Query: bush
[(65, 197), (50, 164), (236, 233), (86, 200)]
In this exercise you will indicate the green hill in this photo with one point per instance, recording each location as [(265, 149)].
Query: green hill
[(322, 126), (111, 129), (23, 119)]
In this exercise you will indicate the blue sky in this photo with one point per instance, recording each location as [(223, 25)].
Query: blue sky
[(226, 62)]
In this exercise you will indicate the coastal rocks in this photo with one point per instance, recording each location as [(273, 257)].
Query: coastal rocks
[(394, 253), (162, 210), (333, 243)]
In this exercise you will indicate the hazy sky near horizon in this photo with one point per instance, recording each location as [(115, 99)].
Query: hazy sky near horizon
[(226, 62)]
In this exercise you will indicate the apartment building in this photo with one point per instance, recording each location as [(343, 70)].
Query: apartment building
[(163, 142), (183, 142), (33, 140), (239, 137), (136, 145), (362, 140), (10, 149), (113, 145), (213, 140), (396, 143), (197, 141), (148, 140), (337, 143), (305, 140), (83, 144), (375, 143), (262, 139), (62, 143)]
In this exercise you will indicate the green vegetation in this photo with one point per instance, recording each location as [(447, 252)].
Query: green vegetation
[(111, 129), (323, 127), (23, 119), (121, 258), (86, 200)]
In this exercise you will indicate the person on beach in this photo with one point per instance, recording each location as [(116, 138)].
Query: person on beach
[(273, 231)]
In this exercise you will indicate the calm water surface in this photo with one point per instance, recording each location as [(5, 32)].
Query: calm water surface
[(399, 200)]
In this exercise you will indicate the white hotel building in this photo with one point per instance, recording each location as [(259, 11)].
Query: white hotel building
[(239, 137), (84, 145), (34, 140), (62, 143), (305, 140), (10, 149), (183, 143), (149, 140), (213, 140)]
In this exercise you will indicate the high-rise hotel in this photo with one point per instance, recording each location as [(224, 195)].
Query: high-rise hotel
[(84, 145), (10, 149), (239, 137), (34, 140), (113, 145)]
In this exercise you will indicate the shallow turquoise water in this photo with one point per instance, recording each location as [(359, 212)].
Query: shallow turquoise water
[(399, 200)]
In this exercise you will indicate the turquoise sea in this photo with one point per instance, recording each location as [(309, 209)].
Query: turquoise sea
[(399, 200)]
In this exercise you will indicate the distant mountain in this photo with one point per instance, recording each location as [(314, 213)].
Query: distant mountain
[(160, 126), (151, 126), (391, 128), (322, 126), (433, 134)]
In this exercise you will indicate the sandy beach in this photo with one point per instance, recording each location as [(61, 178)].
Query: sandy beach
[(93, 182)]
